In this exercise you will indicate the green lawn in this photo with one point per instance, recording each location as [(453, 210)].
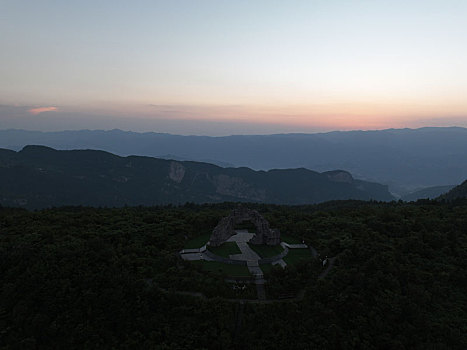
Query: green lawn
[(226, 249), (266, 251), (290, 239), (224, 269), (266, 268), (197, 242), (295, 255)]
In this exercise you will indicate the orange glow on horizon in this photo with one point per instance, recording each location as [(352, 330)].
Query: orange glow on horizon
[(38, 110), (325, 116)]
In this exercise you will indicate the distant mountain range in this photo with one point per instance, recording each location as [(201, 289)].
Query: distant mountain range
[(405, 159), (38, 177)]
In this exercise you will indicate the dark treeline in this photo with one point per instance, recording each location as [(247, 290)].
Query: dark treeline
[(74, 278)]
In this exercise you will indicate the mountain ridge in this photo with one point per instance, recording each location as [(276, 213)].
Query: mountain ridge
[(404, 159), (460, 191), (427, 193), (40, 176)]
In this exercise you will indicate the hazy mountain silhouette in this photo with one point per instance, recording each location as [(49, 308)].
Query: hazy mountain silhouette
[(427, 193), (457, 192), (406, 159), (39, 176)]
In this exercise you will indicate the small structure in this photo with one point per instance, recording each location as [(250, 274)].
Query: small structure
[(225, 228)]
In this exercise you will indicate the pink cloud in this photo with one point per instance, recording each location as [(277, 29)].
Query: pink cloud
[(38, 110)]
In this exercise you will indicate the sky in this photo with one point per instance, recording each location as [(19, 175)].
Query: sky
[(220, 67)]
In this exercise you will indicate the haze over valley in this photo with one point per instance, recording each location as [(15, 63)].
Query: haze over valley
[(406, 160)]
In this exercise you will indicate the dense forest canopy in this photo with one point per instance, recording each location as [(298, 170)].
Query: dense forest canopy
[(77, 277)]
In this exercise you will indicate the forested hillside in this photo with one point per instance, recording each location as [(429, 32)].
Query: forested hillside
[(74, 278), (38, 177), (406, 159), (456, 193), (427, 193)]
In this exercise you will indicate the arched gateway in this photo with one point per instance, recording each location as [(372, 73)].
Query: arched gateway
[(225, 228)]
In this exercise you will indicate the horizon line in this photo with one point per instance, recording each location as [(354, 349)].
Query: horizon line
[(273, 134)]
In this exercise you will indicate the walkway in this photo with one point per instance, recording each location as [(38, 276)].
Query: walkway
[(242, 238), (294, 246), (260, 300), (280, 262), (195, 254), (328, 268), (259, 281), (247, 254)]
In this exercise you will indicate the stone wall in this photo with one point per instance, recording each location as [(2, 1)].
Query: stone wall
[(225, 228)]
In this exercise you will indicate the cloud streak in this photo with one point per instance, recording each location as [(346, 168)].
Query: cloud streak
[(38, 110)]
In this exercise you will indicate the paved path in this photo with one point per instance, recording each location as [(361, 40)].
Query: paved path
[(259, 290), (314, 253), (247, 254), (238, 322), (330, 265), (196, 256), (280, 262), (299, 297), (192, 250), (255, 270), (293, 246), (242, 238)]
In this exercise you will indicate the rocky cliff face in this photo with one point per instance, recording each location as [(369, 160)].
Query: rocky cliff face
[(237, 187), (339, 176), (176, 172)]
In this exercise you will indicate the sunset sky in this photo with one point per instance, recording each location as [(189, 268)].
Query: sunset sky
[(221, 67)]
